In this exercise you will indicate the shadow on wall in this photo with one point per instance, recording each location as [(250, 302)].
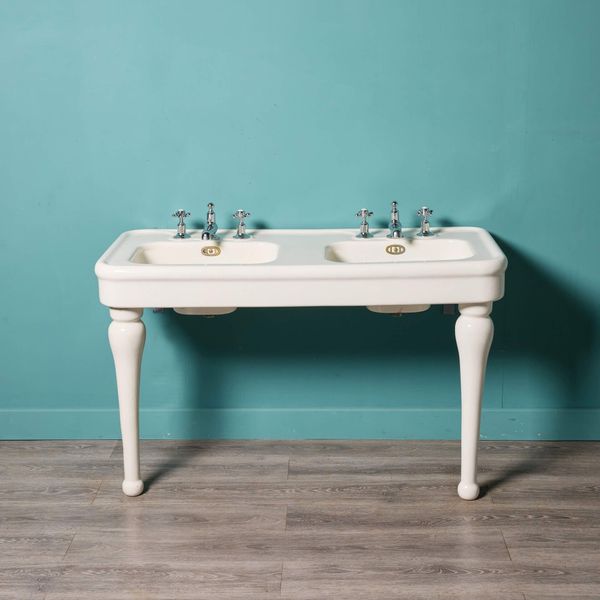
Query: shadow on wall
[(303, 336), (534, 299), (544, 320), (541, 320)]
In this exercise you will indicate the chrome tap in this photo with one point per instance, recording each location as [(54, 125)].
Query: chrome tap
[(363, 213), (181, 214), (395, 225), (424, 213), (240, 214), (210, 231)]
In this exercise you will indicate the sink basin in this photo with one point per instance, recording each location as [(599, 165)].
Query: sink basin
[(398, 250), (209, 252), (300, 267)]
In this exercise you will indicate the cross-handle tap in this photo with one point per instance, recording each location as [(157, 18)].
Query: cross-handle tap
[(395, 225), (181, 214), (240, 214), (364, 213), (424, 213), (210, 231)]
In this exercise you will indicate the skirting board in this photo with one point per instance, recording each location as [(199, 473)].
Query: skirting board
[(443, 424)]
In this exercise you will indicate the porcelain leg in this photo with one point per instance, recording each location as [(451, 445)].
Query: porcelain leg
[(126, 335), (474, 333)]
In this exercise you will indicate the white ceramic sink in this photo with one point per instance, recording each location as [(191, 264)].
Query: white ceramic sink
[(311, 267), (318, 267)]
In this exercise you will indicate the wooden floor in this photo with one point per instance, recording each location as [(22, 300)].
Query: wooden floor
[(302, 520)]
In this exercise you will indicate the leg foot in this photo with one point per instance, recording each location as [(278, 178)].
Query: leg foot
[(474, 332), (133, 488), (468, 491), (127, 334)]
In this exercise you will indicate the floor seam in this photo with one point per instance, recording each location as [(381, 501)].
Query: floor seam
[(505, 545), (112, 450), (68, 547), (97, 491), (281, 579)]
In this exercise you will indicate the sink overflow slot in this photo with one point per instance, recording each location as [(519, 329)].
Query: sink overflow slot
[(211, 251), (395, 249)]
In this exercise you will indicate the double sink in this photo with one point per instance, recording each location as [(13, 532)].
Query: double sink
[(300, 267), (310, 267)]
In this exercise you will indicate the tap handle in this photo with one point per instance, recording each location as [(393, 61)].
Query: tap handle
[(181, 214), (394, 211), (363, 213), (424, 212), (240, 214)]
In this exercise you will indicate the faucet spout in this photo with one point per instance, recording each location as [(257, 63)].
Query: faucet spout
[(211, 229), (395, 225), (209, 233)]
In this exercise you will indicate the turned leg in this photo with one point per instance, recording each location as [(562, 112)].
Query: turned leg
[(474, 332), (126, 335)]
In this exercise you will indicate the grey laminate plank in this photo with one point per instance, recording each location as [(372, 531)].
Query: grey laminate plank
[(370, 468), (399, 592), (26, 582), (51, 473), (557, 493), (55, 450), (164, 519), (505, 470), (23, 594), (418, 467), (191, 546), (512, 450), (563, 547), (496, 470), (19, 549), (381, 578), (176, 469), (210, 579), (460, 514), (562, 593), (46, 492), (559, 463), (67, 469)]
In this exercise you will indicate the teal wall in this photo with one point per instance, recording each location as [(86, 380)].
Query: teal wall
[(114, 113)]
